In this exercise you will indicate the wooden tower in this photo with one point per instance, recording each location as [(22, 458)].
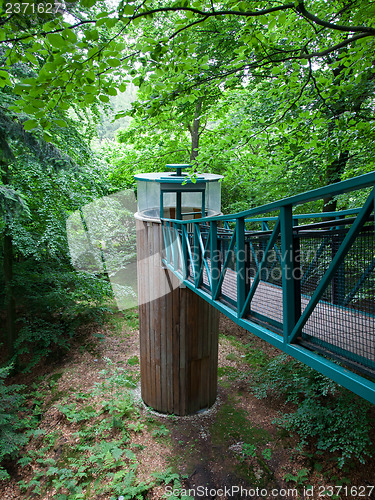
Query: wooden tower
[(178, 329)]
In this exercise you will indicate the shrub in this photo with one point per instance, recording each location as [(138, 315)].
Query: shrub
[(326, 415), (11, 425)]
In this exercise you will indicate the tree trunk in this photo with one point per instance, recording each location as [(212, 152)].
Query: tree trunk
[(333, 174), (10, 303), (194, 129)]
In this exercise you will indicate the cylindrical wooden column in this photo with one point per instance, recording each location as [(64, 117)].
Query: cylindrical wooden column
[(178, 333)]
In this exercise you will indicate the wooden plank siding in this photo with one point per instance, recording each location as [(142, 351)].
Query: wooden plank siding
[(178, 334)]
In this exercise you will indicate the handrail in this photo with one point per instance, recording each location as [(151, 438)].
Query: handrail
[(353, 184), (199, 241)]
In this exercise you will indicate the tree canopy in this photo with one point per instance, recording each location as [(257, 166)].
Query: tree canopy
[(277, 96), (85, 52)]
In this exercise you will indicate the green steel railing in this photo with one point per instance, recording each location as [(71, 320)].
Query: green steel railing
[(305, 283)]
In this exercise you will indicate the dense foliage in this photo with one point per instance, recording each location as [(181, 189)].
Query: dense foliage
[(11, 402), (277, 97), (321, 412)]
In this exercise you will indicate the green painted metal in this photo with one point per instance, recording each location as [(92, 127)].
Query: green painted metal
[(240, 264), (315, 259), (352, 381), (197, 258), (196, 251), (185, 252), (203, 261), (178, 166), (179, 250), (287, 269), (215, 259), (225, 265), (357, 286), (167, 246), (360, 182), (256, 280), (336, 261)]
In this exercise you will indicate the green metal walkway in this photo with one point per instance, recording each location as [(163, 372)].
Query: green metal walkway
[(305, 283)]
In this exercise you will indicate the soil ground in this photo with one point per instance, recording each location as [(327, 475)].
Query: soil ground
[(233, 445)]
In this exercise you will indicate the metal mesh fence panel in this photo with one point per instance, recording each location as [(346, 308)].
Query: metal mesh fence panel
[(343, 322), (267, 303)]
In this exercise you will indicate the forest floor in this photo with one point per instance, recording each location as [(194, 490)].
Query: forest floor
[(97, 440)]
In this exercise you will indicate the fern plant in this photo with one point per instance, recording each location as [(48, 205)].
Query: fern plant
[(11, 425)]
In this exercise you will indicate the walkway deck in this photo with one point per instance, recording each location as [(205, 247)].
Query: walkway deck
[(341, 330)]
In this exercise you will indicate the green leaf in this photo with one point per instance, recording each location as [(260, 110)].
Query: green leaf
[(21, 87), (117, 453), (128, 10), (89, 98), (282, 18), (69, 34), (30, 125), (113, 62), (119, 115), (31, 58), (92, 35), (61, 123), (108, 21), (88, 3), (90, 89), (56, 40), (4, 76), (47, 137)]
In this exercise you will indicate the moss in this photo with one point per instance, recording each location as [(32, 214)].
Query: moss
[(229, 371), (232, 357), (232, 424), (256, 357)]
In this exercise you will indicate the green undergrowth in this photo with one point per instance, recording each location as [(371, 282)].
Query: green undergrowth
[(329, 421), (233, 429), (326, 417), (118, 319), (89, 449), (13, 420), (98, 457), (232, 423)]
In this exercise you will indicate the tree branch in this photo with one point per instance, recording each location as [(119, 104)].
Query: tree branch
[(337, 27), (216, 13), (188, 26), (340, 45)]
